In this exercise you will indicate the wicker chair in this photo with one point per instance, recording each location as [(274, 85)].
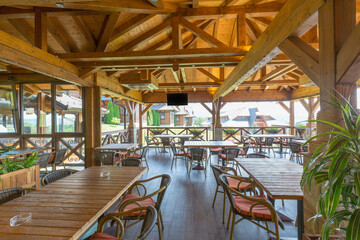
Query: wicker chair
[(295, 152), (43, 161), (228, 155), (131, 201), (7, 195), (131, 162), (178, 154), (256, 155), (154, 143), (142, 156), (165, 142), (255, 208), (108, 158), (56, 175), (268, 144), (197, 156), (244, 150), (147, 225), (235, 184), (59, 158)]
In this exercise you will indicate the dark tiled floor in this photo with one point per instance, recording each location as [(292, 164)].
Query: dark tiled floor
[(187, 207)]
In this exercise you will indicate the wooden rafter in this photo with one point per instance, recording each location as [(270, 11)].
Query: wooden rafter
[(290, 18), (106, 31)]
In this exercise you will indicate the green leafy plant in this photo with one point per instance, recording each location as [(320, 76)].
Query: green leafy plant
[(10, 164), (157, 131), (300, 125), (335, 167), (272, 130), (230, 131)]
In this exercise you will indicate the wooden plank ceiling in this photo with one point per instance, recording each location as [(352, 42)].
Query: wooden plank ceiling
[(189, 46)]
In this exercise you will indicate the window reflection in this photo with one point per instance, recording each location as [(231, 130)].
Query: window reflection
[(7, 109)]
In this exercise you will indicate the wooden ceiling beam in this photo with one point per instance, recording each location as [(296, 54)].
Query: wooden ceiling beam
[(292, 19), (278, 72), (209, 75), (195, 37), (106, 31), (147, 35), (230, 11), (85, 31), (19, 53), (183, 75), (24, 28), (58, 36), (195, 3), (283, 105), (202, 34), (304, 56), (40, 30)]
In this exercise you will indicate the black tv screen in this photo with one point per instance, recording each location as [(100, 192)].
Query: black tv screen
[(176, 99)]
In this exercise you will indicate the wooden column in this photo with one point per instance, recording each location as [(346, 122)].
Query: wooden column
[(131, 108), (217, 105), (292, 117), (140, 138), (40, 29)]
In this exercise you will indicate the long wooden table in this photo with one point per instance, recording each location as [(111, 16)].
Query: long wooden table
[(66, 208), (117, 146), (280, 179)]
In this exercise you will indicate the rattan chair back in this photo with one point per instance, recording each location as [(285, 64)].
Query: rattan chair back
[(147, 225), (60, 156), (10, 194), (231, 153), (197, 154), (107, 158), (269, 141), (44, 159), (131, 162), (295, 147), (183, 140), (165, 141), (173, 148), (165, 181), (256, 155), (56, 175), (217, 172)]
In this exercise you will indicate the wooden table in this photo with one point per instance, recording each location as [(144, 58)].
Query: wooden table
[(16, 152), (280, 179), (278, 136), (66, 208), (208, 144), (117, 147), (299, 141)]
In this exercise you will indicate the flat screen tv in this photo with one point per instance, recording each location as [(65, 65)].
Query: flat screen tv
[(176, 99)]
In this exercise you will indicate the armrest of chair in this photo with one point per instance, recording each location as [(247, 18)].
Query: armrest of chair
[(25, 190)]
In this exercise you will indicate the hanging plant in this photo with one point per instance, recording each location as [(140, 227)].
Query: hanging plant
[(272, 130)]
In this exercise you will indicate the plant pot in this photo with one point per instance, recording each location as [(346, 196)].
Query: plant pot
[(27, 177), (317, 237)]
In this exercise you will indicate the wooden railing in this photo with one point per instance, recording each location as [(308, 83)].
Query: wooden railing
[(200, 133), (114, 137), (238, 134)]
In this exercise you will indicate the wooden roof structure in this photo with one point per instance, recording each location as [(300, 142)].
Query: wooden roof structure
[(240, 50)]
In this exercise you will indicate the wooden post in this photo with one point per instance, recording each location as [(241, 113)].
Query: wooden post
[(217, 124), (97, 122), (40, 30), (89, 127), (292, 117), (140, 137), (131, 108)]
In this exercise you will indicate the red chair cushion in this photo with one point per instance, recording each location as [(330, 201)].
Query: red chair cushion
[(215, 149), (135, 155), (123, 152), (222, 156), (243, 206), (180, 153), (233, 183), (242, 152), (118, 159), (146, 202), (51, 160), (102, 236)]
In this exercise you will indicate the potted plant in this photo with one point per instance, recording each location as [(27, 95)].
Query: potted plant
[(19, 173), (335, 167), (157, 131), (272, 130)]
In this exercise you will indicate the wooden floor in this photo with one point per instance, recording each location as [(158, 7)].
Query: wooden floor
[(187, 207)]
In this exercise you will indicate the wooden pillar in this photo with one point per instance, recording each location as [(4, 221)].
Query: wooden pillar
[(131, 108), (292, 117), (217, 128), (40, 29), (140, 137)]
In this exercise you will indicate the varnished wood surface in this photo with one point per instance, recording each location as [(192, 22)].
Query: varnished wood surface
[(23, 151), (280, 178), (117, 146), (174, 135), (66, 208), (209, 144)]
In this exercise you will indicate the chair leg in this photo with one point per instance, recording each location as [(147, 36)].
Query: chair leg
[(216, 191), (232, 226), (159, 227), (172, 163), (161, 220), (228, 223), (224, 204)]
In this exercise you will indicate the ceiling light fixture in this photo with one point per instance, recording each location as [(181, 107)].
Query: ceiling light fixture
[(60, 5)]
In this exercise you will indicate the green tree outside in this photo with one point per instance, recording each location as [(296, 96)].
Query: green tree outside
[(109, 117)]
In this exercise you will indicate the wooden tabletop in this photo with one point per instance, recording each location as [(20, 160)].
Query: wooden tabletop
[(299, 141), (23, 151), (66, 208), (272, 136), (278, 177), (118, 146), (174, 135), (209, 144)]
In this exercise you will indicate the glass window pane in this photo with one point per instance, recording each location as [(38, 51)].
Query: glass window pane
[(112, 115), (7, 109), (36, 109), (69, 108)]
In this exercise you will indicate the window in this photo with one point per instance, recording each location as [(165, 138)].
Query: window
[(36, 112), (162, 116), (7, 109), (178, 118)]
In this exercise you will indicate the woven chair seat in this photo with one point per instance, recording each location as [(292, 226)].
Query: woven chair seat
[(234, 184), (146, 202), (243, 206), (102, 236)]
